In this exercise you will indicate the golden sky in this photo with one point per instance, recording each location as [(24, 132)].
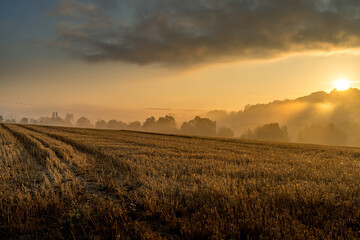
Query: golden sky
[(187, 55), (227, 86)]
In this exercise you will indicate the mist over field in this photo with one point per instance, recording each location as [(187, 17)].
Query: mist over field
[(322, 118), (19, 110)]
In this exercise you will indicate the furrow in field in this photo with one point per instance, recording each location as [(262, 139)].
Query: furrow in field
[(17, 168), (111, 171), (26, 183), (61, 165), (70, 161), (36, 150), (111, 175), (91, 150), (100, 167), (69, 181)]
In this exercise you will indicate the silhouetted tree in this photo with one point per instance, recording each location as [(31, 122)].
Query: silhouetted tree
[(166, 124), (83, 122), (134, 126), (100, 124), (55, 120), (268, 132), (44, 120), (24, 120), (55, 115), (225, 132), (320, 134), (1, 118), (199, 126), (114, 124), (69, 117), (149, 124)]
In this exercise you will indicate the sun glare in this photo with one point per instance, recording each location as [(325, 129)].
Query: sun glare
[(342, 84)]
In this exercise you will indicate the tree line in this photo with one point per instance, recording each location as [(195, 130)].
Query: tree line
[(198, 126), (328, 134)]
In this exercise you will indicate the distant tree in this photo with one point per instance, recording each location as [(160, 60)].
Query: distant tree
[(100, 124), (323, 134), (44, 120), (166, 124), (199, 126), (134, 126), (122, 125), (1, 118), (112, 124), (69, 117), (55, 120), (33, 121), (149, 124), (225, 132), (24, 120), (268, 132), (118, 125), (83, 122)]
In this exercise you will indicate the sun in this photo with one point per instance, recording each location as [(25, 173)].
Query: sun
[(342, 84)]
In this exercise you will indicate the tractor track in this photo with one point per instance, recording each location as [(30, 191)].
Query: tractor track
[(58, 147), (59, 156)]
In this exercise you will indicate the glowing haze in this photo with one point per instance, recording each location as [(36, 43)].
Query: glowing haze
[(175, 55)]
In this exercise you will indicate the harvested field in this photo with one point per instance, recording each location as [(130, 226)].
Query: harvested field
[(71, 183)]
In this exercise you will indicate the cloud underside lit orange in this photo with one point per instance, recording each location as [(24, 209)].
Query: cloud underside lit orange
[(193, 32)]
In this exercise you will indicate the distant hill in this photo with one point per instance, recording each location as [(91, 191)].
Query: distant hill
[(339, 108)]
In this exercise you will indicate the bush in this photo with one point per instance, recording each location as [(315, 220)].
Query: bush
[(268, 132)]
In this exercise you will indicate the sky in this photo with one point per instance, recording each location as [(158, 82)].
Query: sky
[(107, 58)]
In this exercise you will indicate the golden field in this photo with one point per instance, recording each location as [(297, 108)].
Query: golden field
[(72, 183)]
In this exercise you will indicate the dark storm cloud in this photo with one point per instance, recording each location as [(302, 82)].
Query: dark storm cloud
[(188, 32)]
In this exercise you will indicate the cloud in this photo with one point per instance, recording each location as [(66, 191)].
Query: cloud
[(73, 8), (184, 32)]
